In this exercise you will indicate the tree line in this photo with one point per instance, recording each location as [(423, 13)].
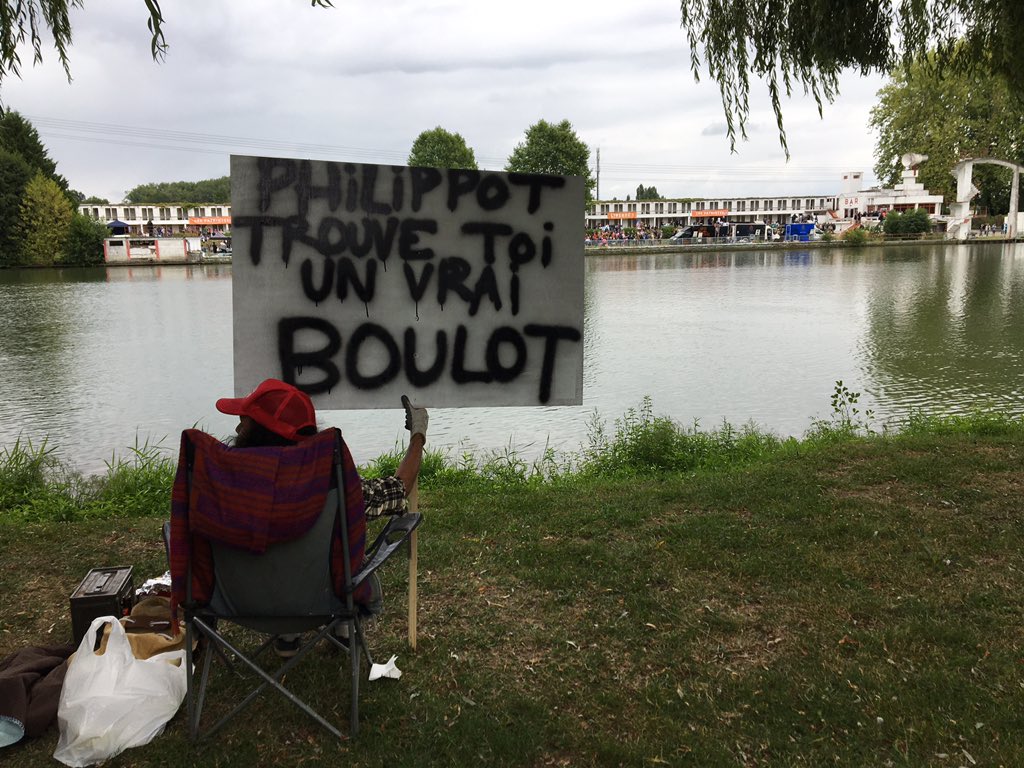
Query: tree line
[(39, 223), (552, 148), (186, 193)]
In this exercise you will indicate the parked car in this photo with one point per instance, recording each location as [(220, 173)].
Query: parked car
[(699, 231), (746, 232)]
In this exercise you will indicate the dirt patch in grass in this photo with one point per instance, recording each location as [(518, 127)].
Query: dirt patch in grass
[(737, 638), (1004, 484)]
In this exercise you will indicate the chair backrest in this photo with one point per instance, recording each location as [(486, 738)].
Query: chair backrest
[(291, 578), (265, 568)]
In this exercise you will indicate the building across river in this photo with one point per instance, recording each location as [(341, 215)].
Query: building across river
[(160, 219), (851, 204)]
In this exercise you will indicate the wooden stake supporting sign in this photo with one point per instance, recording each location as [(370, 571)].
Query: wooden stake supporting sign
[(413, 566)]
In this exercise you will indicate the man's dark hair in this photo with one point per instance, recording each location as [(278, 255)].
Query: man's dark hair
[(260, 437)]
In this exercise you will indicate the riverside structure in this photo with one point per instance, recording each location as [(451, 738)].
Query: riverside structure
[(172, 218), (850, 204)]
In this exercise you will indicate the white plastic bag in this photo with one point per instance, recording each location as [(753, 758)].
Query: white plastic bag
[(115, 701)]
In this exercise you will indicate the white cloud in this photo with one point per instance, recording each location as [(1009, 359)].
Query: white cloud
[(715, 129), (363, 79)]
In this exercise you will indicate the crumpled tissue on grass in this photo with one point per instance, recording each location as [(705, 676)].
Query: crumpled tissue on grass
[(385, 670)]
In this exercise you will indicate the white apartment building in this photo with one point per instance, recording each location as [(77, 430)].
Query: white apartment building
[(145, 220), (654, 214), (853, 202)]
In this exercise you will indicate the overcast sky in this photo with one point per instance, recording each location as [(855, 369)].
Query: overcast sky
[(362, 80)]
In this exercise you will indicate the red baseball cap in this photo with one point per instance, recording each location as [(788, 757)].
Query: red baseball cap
[(280, 407)]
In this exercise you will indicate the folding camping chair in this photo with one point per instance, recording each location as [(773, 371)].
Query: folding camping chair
[(286, 589)]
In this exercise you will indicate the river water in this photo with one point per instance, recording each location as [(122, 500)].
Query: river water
[(97, 360)]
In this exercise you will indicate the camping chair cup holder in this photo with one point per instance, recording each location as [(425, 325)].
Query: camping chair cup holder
[(287, 589)]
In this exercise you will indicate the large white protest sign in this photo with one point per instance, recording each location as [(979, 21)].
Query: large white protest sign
[(360, 283)]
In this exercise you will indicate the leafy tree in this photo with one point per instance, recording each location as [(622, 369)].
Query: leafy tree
[(439, 148), (206, 191), (212, 190), (19, 136), (949, 118), (44, 222), (806, 44), (92, 200), (85, 241), (553, 148), (647, 193), (15, 173)]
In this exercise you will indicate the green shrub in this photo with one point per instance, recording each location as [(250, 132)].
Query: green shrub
[(35, 485), (917, 221), (893, 224), (137, 486), (647, 444), (85, 242), (847, 420), (979, 422), (911, 222), (23, 473), (436, 467), (855, 237)]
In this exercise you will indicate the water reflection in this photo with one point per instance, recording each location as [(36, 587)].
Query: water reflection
[(947, 332), (92, 357), (39, 308), (170, 273)]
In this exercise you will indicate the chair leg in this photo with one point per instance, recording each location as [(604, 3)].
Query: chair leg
[(355, 642), (204, 678), (196, 695), (190, 682), (273, 680)]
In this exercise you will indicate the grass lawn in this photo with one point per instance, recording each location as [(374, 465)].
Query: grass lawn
[(852, 603)]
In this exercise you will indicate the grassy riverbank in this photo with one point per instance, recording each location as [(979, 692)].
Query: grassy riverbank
[(668, 597)]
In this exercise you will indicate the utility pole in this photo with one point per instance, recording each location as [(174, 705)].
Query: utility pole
[(598, 185)]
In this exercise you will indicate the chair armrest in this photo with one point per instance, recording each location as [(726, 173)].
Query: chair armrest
[(388, 540)]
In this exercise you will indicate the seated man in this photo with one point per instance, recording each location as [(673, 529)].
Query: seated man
[(277, 414)]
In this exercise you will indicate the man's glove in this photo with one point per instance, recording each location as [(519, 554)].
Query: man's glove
[(415, 418)]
